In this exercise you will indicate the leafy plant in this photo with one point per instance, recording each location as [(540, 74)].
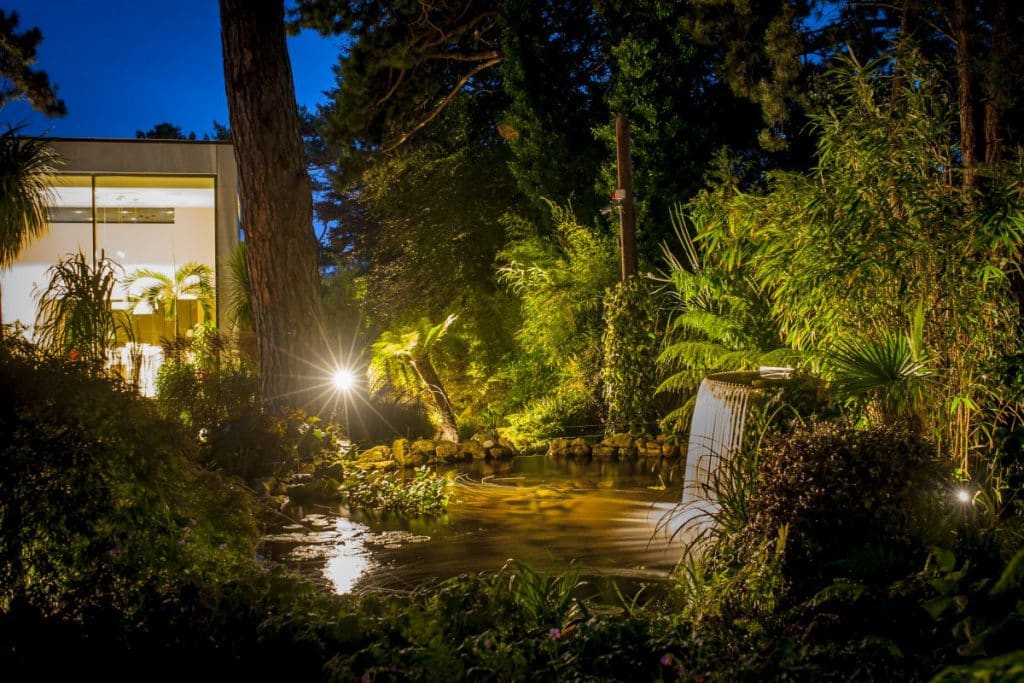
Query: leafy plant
[(192, 281), (403, 360), (560, 281), (74, 316), (426, 494), (718, 318), (890, 374), (630, 347)]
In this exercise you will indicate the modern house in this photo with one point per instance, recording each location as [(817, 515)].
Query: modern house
[(152, 205)]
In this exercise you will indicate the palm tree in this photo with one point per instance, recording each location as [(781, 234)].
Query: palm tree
[(192, 281), (27, 169), (403, 359)]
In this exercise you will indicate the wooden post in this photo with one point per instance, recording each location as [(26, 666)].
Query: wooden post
[(627, 203)]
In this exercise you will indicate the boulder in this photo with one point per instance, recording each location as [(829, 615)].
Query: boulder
[(472, 450), (499, 452), (447, 451), (669, 451), (580, 448), (627, 453), (376, 454), (649, 449), (486, 439), (618, 441), (602, 452), (558, 447)]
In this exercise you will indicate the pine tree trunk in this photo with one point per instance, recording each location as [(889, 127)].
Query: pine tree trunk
[(995, 95), (425, 371), (276, 199), (965, 90)]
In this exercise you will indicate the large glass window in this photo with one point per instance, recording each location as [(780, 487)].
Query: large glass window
[(160, 230)]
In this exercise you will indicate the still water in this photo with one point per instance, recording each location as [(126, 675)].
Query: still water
[(615, 519)]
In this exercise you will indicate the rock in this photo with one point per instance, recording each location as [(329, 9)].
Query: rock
[(558, 447), (376, 454), (447, 451), (472, 450), (602, 452), (669, 451), (660, 438), (499, 452), (649, 449), (618, 441), (580, 448), (418, 453), (627, 453), (486, 439), (507, 443)]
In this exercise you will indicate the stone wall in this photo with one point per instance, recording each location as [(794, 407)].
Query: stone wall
[(614, 447), (406, 453)]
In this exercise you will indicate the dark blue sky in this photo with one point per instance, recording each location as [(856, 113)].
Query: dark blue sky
[(123, 65)]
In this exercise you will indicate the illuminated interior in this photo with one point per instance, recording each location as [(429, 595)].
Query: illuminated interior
[(159, 223)]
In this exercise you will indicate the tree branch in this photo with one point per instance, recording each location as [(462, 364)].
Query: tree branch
[(443, 105)]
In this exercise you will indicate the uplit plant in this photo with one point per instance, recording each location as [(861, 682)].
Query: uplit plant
[(192, 281), (74, 316), (402, 359)]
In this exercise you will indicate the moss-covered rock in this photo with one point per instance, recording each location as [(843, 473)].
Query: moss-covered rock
[(447, 451)]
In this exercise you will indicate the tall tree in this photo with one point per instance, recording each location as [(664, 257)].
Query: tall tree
[(276, 198), (18, 78)]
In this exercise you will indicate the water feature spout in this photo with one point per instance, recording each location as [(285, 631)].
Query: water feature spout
[(716, 430)]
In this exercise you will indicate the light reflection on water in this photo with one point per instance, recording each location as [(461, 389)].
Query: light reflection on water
[(609, 517)]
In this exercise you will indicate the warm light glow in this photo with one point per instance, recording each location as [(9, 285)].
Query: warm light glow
[(343, 379), (963, 496)]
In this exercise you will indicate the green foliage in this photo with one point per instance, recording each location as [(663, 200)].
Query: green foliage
[(74, 316), (239, 289), (27, 169), (204, 381), (403, 362), (630, 346), (425, 494), (890, 374), (718, 319), (101, 501), (877, 232), (193, 280), (854, 502), (561, 285)]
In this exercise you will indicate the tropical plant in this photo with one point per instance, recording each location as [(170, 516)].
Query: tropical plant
[(402, 359), (27, 172), (74, 317), (719, 318), (192, 281), (239, 297), (890, 374), (878, 229)]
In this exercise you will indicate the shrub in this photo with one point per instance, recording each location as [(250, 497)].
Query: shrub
[(854, 501), (630, 346)]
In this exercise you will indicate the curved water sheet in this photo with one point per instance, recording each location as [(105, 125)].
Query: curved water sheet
[(608, 517), (717, 427)]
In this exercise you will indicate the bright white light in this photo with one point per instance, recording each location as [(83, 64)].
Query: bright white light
[(963, 496), (343, 379)]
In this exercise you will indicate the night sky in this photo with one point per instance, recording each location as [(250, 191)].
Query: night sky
[(123, 65)]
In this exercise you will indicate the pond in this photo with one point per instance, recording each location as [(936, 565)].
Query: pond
[(614, 518)]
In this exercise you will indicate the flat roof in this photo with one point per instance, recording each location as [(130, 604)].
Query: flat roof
[(150, 140)]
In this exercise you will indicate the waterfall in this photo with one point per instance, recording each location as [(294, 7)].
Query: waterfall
[(716, 430)]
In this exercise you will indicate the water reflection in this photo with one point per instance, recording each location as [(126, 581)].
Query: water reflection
[(613, 518)]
